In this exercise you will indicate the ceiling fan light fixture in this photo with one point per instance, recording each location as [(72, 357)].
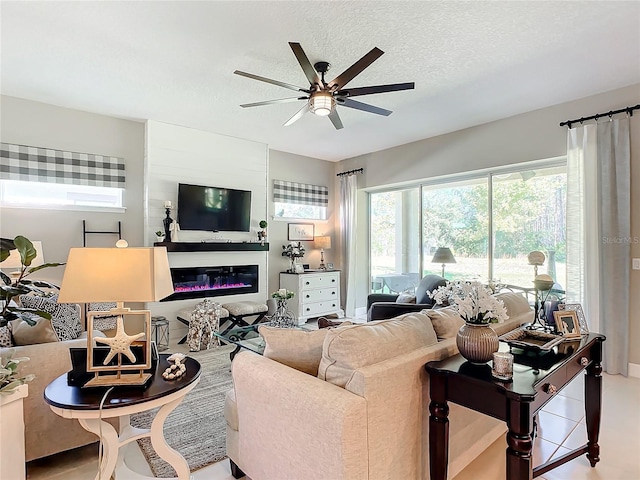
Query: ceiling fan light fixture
[(322, 103)]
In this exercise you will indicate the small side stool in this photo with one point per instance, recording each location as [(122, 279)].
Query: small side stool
[(160, 332), (238, 311), (184, 316)]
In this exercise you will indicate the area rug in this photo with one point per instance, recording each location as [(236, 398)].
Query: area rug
[(197, 427)]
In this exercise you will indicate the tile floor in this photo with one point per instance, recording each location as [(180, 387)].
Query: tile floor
[(561, 428)]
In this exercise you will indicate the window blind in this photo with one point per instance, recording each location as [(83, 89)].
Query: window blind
[(300, 193), (37, 164)]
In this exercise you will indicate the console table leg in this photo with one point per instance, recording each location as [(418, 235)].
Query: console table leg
[(593, 403), (438, 429), (519, 441)]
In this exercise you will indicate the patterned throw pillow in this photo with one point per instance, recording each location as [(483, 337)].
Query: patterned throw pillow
[(5, 337), (103, 322), (65, 317)]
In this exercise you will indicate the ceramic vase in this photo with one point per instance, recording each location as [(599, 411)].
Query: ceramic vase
[(477, 342), (282, 317)]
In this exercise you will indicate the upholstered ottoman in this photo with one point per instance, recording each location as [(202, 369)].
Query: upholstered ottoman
[(238, 311)]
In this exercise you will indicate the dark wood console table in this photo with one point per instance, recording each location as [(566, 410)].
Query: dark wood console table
[(536, 380)]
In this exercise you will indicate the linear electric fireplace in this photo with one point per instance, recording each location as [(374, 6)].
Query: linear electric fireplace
[(197, 282)]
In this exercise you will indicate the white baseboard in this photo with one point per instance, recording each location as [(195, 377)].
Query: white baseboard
[(634, 370), (361, 312)]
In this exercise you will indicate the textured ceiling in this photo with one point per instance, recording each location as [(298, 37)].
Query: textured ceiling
[(472, 62)]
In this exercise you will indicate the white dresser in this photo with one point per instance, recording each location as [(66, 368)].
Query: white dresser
[(316, 294)]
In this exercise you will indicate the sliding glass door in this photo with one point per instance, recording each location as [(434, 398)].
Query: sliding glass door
[(395, 240), (489, 224)]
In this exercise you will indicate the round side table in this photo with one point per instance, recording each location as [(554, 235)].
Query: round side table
[(83, 404)]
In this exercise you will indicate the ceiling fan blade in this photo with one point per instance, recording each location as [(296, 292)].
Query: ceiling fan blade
[(335, 119), (271, 102), (355, 69), (304, 62), (298, 115), (273, 82), (395, 87), (365, 107)]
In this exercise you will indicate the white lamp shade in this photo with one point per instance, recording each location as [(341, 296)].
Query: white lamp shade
[(14, 261), (323, 242), (116, 275)]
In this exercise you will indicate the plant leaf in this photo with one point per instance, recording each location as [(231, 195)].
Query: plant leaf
[(26, 249), (5, 278), (40, 267)]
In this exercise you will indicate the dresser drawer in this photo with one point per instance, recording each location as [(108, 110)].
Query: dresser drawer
[(319, 295), (319, 281), (318, 308)]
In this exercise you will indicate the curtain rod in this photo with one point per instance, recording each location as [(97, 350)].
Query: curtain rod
[(595, 117), (357, 170)]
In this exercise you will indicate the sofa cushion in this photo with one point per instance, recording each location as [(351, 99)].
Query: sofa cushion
[(518, 308), (103, 322), (349, 348), (65, 317), (297, 349), (5, 337), (405, 297), (231, 410), (25, 334), (446, 322)]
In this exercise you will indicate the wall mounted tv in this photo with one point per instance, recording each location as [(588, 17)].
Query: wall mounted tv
[(213, 208)]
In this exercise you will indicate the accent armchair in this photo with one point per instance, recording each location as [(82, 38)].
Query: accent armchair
[(382, 305)]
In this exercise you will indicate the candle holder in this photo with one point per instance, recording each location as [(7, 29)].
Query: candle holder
[(167, 225), (502, 366)]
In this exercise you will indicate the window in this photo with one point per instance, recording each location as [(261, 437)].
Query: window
[(45, 178), (300, 200), (490, 222)]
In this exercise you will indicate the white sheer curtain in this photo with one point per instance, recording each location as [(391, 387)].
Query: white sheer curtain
[(599, 232), (348, 191)]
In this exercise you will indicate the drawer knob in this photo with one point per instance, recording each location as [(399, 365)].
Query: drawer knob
[(306, 283), (333, 293), (307, 309), (584, 361), (549, 388), (333, 280), (307, 295)]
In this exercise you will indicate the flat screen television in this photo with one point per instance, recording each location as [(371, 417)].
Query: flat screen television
[(213, 208)]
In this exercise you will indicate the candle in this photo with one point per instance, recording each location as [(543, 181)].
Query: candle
[(167, 204), (283, 292), (502, 366)]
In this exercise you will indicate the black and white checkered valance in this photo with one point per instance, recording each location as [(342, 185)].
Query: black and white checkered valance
[(36, 164), (300, 193)]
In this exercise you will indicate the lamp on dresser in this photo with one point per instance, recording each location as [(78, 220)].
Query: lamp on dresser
[(323, 243), (118, 275)]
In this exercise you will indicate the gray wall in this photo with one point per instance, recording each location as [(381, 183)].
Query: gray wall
[(37, 124), (531, 136), (297, 168)]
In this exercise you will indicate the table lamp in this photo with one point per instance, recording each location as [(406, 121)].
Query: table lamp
[(322, 242), (117, 275), (443, 255)]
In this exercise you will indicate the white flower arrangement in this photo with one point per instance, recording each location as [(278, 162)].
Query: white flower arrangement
[(472, 300), (283, 294)]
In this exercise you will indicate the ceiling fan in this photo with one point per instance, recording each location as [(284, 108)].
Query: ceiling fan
[(323, 97)]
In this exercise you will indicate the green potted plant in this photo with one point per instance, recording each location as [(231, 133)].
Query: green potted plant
[(262, 235), (160, 236), (9, 377), (20, 285)]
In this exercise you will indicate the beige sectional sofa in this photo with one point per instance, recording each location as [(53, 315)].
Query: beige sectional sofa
[(364, 415)]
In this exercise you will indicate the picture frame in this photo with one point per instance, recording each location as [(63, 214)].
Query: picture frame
[(299, 268), (329, 266), (567, 323), (300, 232), (582, 320)]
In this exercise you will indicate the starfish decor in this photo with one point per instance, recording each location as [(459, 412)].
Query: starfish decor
[(120, 343)]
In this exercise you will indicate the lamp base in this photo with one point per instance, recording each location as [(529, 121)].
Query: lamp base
[(127, 379), (322, 266)]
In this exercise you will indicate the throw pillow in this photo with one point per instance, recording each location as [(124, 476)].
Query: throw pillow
[(65, 317), (347, 349), (103, 322), (297, 349), (25, 334), (446, 322), (5, 337), (406, 298)]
